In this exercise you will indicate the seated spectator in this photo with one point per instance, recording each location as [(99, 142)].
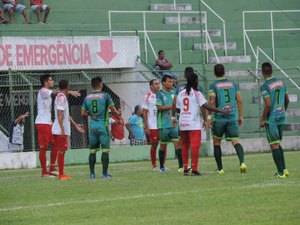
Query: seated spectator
[(16, 133), (135, 126), (164, 66), (12, 6), (38, 6), (2, 18), (117, 129)]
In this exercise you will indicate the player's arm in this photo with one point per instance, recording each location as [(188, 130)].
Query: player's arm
[(240, 107), (214, 109), (286, 101), (79, 127), (115, 113), (60, 118), (73, 93), (84, 113), (164, 107), (266, 111), (127, 125), (145, 115), (204, 117), (21, 117), (212, 102)]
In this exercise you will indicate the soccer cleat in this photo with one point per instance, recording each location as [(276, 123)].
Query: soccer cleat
[(162, 170), (107, 175), (277, 175), (186, 172), (46, 175), (243, 168), (154, 168), (92, 176), (54, 172), (196, 173), (190, 169), (286, 172), (64, 177), (180, 170), (219, 171)]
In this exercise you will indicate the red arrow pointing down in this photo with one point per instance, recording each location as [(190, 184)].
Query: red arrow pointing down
[(106, 51)]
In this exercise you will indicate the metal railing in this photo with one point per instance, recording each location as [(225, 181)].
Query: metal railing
[(271, 29)]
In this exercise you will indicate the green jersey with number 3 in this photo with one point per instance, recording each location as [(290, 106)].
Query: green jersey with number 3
[(97, 103), (275, 90), (225, 92)]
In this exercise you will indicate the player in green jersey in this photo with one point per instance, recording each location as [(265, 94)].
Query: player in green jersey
[(96, 105), (273, 118), (224, 94), (167, 132)]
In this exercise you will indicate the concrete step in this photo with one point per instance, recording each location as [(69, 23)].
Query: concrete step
[(293, 112), (293, 98), (212, 33), (292, 126), (171, 7), (230, 59), (217, 46), (185, 20), (248, 86)]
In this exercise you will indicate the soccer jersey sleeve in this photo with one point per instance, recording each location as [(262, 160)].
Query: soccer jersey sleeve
[(84, 105), (264, 91), (61, 102), (159, 99), (236, 86), (200, 98), (145, 104), (212, 90), (45, 93), (109, 100)]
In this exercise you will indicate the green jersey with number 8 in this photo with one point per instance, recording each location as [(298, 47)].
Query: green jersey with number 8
[(225, 92), (97, 103), (275, 90)]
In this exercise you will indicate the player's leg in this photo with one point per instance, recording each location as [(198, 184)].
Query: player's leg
[(173, 135), (62, 147), (44, 141), (280, 131), (47, 9), (232, 134), (53, 153), (94, 147), (195, 140), (154, 143), (163, 139), (105, 145), (274, 141), (218, 131), (185, 144)]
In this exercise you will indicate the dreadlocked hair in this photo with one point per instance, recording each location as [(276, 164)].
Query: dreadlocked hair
[(192, 82)]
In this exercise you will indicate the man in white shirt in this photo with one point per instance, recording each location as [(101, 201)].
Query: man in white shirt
[(61, 128), (150, 118)]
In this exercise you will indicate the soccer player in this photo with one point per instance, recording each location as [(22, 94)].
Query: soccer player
[(224, 94), (61, 128), (96, 105), (167, 131), (273, 118), (43, 123), (150, 118), (188, 103)]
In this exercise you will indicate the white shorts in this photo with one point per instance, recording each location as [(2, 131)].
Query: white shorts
[(117, 142), (34, 7)]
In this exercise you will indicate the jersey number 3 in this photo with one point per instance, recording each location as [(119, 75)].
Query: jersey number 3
[(227, 95)]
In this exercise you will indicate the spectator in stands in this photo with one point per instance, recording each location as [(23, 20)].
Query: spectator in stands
[(13, 6), (135, 126), (164, 66), (2, 18), (117, 129), (16, 132), (38, 6)]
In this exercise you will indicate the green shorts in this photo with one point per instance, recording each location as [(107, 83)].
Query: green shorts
[(168, 134), (229, 128), (99, 137), (274, 133)]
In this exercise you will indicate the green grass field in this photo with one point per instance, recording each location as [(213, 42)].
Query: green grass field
[(137, 195)]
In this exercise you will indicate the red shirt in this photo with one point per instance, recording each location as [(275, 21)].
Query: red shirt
[(38, 2), (117, 130)]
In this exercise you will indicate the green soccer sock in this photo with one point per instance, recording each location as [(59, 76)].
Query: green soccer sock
[(92, 162), (278, 160), (179, 157), (282, 157), (240, 152), (105, 162), (218, 156), (161, 155)]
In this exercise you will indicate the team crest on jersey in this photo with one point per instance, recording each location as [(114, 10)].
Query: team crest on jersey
[(275, 85), (278, 111), (264, 92), (224, 85), (228, 107)]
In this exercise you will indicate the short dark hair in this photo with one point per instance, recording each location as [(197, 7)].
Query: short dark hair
[(44, 78), (96, 81), (219, 70), (266, 68), (136, 108), (63, 84), (160, 51), (152, 81), (188, 70), (165, 77)]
